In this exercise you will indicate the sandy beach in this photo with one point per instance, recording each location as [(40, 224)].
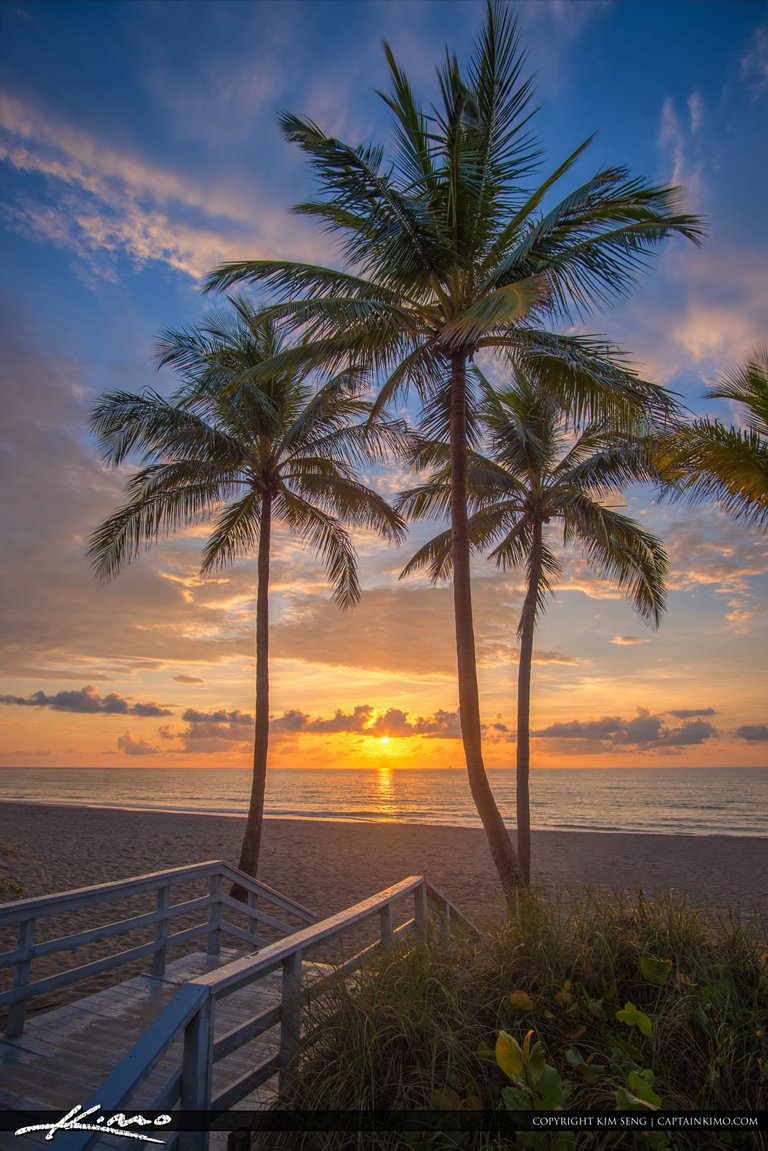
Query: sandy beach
[(328, 866)]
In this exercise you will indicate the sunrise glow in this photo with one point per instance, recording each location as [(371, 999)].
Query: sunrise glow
[(123, 187)]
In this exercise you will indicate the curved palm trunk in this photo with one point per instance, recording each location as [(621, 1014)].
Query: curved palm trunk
[(502, 851), (249, 854), (527, 625)]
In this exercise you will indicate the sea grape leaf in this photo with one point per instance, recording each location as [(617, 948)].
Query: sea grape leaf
[(634, 1017), (626, 1101), (549, 1090), (640, 1082), (536, 1061), (655, 970), (516, 1098), (509, 1054), (590, 1072)]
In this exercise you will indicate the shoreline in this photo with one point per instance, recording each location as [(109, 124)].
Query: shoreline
[(329, 864), (362, 821)]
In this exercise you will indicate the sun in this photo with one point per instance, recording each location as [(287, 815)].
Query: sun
[(384, 739)]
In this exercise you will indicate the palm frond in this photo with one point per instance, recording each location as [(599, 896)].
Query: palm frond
[(235, 533), (620, 551), (748, 385), (707, 461), (327, 538)]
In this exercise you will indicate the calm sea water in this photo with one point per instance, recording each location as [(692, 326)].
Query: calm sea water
[(692, 801)]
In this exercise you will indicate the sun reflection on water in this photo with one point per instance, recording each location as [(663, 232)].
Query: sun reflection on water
[(385, 791)]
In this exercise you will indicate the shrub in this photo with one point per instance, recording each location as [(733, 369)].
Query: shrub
[(595, 1001)]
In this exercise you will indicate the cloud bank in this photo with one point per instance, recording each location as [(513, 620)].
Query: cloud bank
[(87, 701)]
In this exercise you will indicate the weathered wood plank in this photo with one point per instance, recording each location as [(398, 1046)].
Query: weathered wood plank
[(235, 905), (268, 893), (20, 982), (238, 1036), (246, 1083), (82, 897), (96, 1046)]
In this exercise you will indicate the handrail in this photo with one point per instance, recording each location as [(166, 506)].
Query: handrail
[(25, 913), (232, 977), (140, 1061), (40, 905), (192, 1088)]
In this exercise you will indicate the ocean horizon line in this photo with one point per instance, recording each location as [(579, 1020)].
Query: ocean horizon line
[(386, 768)]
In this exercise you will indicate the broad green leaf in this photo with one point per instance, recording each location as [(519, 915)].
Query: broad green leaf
[(590, 1072), (536, 1061), (626, 1101), (634, 1017), (549, 1090), (521, 1000), (655, 970), (516, 1098), (509, 1054), (640, 1082)]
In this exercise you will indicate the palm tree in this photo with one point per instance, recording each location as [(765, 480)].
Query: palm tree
[(449, 252), (705, 460), (245, 450), (539, 472)]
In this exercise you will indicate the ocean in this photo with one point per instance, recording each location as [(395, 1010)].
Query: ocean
[(672, 801)]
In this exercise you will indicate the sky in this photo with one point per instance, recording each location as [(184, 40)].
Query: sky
[(138, 149)]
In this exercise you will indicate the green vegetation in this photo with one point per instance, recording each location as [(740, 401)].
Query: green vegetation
[(596, 1001), (246, 449), (453, 246), (705, 460), (9, 887)]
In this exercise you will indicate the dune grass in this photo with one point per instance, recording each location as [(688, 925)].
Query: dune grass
[(634, 1003)]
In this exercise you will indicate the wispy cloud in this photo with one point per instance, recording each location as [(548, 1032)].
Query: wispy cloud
[(692, 712), (754, 62), (101, 201)]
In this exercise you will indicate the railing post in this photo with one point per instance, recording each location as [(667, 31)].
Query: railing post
[(17, 1011), (214, 915), (290, 1027), (197, 1072), (445, 919), (253, 919), (385, 928), (420, 911), (161, 931)]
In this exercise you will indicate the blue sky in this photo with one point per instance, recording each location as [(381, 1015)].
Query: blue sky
[(138, 148)]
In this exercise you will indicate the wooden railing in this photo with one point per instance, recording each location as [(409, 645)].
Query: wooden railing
[(26, 914), (191, 1015)]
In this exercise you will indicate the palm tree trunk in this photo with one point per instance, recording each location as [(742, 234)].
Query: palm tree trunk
[(249, 854), (527, 625), (502, 851)]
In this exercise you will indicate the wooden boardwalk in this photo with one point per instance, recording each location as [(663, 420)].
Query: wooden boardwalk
[(64, 1055), (210, 1031)]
